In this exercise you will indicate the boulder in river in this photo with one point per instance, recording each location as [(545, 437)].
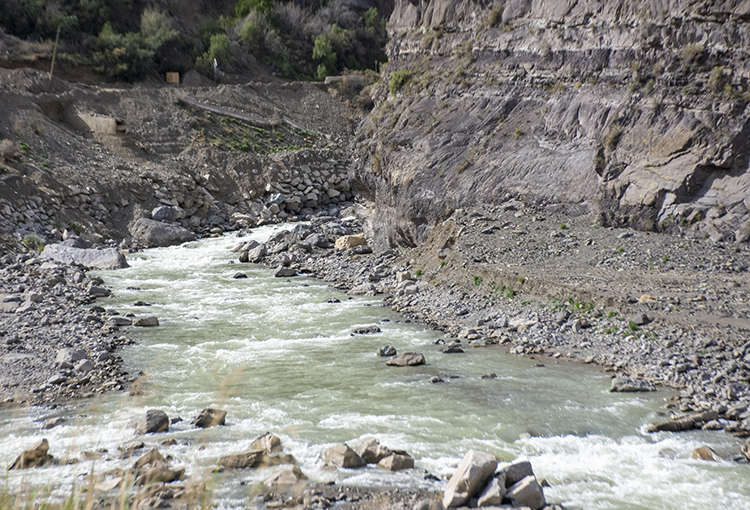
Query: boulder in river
[(746, 449), (682, 423), (284, 272), (107, 258), (705, 453), (366, 330), (397, 461), (527, 492), (36, 456), (372, 451), (267, 442), (406, 359), (516, 472), (493, 492), (152, 422), (253, 255), (386, 351), (146, 322), (152, 233), (210, 417), (622, 383), (472, 474), (341, 455)]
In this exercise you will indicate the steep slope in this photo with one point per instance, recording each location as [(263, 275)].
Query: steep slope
[(633, 112)]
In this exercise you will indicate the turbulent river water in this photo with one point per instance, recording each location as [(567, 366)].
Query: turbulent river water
[(278, 357)]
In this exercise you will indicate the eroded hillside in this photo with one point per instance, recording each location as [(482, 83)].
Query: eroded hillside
[(633, 112)]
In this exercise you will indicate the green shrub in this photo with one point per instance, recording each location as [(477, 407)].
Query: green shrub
[(243, 7), (398, 80), (156, 29), (121, 56), (33, 242), (218, 50), (371, 17), (477, 280), (323, 50)]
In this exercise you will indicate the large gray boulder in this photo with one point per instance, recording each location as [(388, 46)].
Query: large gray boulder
[(472, 474), (527, 492), (343, 456), (153, 233), (152, 422), (107, 258), (406, 359), (165, 213)]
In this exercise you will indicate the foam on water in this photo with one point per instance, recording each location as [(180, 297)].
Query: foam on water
[(277, 357)]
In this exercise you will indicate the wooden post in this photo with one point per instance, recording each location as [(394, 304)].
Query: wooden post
[(54, 53)]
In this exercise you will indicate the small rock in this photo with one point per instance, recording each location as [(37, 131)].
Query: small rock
[(372, 451), (267, 443), (626, 384), (493, 493), (397, 462), (54, 422), (705, 453), (366, 330), (284, 272), (152, 422), (386, 351), (454, 348), (84, 366), (406, 359), (341, 455), (239, 276), (146, 322), (640, 319), (35, 456), (210, 417)]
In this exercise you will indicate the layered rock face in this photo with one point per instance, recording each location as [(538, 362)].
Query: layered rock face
[(634, 112)]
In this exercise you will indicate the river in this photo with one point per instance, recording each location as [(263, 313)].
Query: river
[(279, 357)]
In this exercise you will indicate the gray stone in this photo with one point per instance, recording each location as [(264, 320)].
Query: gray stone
[(406, 359), (164, 213), (107, 258), (624, 384), (96, 291), (254, 255), (341, 455), (210, 417), (372, 451), (386, 352), (397, 462), (152, 422), (35, 456), (70, 355), (640, 319), (493, 492), (516, 472), (84, 366), (284, 272), (527, 492), (146, 322), (365, 289), (118, 320), (153, 233), (54, 422), (470, 478)]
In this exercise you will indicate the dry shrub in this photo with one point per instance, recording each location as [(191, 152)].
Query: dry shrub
[(8, 149)]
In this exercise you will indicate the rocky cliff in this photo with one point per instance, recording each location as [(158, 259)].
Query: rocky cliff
[(633, 112)]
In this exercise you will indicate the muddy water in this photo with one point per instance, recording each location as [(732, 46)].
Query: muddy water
[(277, 356)]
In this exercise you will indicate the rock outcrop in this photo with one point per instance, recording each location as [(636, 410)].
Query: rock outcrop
[(107, 258), (633, 112)]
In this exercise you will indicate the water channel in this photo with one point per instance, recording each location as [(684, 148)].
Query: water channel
[(278, 357)]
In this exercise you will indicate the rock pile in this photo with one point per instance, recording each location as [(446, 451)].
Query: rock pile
[(475, 483)]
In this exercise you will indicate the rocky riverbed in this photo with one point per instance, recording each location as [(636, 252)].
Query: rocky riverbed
[(653, 310)]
